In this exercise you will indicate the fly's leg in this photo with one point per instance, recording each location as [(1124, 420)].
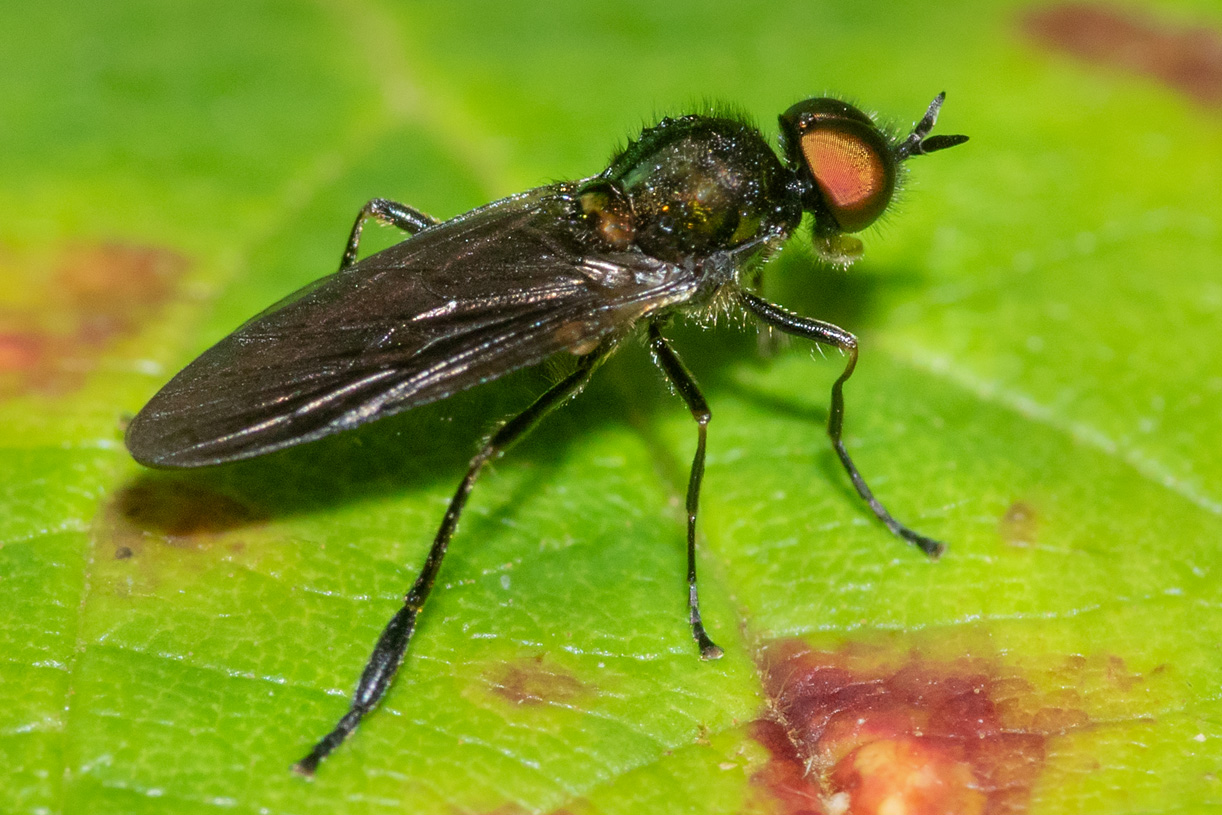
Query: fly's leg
[(828, 334), (392, 645), (682, 379), (391, 213)]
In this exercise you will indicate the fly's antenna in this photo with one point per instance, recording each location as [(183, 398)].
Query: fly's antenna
[(919, 142)]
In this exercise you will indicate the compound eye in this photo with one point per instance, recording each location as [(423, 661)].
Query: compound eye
[(853, 168)]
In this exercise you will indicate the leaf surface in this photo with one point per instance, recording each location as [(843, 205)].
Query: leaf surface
[(1039, 386)]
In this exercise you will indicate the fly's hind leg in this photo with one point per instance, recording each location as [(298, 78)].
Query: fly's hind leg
[(828, 334), (392, 645), (685, 384), (391, 213)]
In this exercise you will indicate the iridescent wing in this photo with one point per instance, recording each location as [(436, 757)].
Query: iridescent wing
[(464, 302)]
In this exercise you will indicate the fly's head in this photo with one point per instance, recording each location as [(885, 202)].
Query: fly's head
[(847, 167)]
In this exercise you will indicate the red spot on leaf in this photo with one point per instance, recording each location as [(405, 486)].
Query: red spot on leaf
[(867, 734), (21, 351), (1188, 59), (906, 775), (91, 296), (784, 776), (110, 287)]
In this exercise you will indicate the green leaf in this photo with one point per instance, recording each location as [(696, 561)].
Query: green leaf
[(1039, 386)]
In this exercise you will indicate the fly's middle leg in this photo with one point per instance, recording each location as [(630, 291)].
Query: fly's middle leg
[(686, 385)]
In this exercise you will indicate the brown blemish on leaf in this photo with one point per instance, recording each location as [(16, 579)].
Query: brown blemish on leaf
[(1019, 525), (1118, 673), (510, 809), (90, 296), (171, 512), (534, 682), (1188, 59), (870, 732), (1059, 720)]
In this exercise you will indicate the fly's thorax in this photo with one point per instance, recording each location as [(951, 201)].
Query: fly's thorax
[(700, 185)]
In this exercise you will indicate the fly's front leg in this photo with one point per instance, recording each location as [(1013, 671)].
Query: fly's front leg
[(392, 645), (391, 213), (682, 379), (828, 334)]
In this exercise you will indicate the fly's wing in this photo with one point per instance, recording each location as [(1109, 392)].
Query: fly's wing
[(464, 302)]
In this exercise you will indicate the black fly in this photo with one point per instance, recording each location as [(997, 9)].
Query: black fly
[(673, 224)]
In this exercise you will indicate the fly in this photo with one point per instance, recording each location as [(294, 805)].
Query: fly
[(675, 223)]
